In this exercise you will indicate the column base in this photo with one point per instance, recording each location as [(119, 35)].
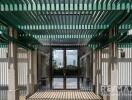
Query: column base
[(30, 89), (13, 94)]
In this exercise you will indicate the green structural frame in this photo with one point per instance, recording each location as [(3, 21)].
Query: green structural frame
[(98, 40), (66, 7)]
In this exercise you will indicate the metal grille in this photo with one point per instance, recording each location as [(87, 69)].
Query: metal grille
[(124, 72), (22, 72), (3, 74)]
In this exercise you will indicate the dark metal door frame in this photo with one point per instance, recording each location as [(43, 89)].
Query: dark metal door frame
[(64, 72), (64, 69)]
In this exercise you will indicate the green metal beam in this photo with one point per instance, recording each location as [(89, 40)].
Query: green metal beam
[(125, 26), (113, 39), (66, 45), (86, 27), (115, 23), (62, 36), (3, 45), (19, 43), (8, 23), (124, 45), (42, 27), (119, 36), (66, 7), (2, 27)]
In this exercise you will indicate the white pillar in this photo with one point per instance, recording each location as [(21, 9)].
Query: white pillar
[(96, 72), (113, 69), (13, 93), (98, 80), (35, 67), (30, 74), (99, 71), (94, 66)]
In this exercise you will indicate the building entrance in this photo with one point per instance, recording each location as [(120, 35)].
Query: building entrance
[(65, 69)]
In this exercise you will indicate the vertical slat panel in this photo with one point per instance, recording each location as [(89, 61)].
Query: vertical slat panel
[(124, 72), (22, 73), (105, 67), (3, 74)]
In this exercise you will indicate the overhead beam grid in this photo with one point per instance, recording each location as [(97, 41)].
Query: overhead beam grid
[(66, 21)]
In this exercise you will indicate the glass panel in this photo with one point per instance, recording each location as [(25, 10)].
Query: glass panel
[(86, 73), (57, 65), (71, 83), (71, 72), (57, 83)]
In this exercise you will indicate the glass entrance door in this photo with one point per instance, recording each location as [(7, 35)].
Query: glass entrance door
[(71, 69), (64, 69), (57, 69)]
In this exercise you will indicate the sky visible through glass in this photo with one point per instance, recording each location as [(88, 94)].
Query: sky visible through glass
[(71, 57)]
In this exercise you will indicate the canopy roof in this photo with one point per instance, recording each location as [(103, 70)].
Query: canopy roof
[(67, 22)]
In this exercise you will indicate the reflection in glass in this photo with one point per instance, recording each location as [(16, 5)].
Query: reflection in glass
[(57, 83), (71, 72), (57, 66), (71, 83)]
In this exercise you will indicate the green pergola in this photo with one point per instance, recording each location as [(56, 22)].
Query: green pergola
[(66, 22)]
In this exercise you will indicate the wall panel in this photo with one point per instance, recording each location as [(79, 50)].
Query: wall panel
[(124, 67), (22, 72)]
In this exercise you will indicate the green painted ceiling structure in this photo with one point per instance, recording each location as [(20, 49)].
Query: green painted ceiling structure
[(66, 22)]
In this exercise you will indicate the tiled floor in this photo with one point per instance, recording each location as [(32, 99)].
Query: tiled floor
[(64, 95), (22, 98)]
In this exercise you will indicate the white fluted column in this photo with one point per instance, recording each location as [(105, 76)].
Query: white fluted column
[(12, 68), (113, 68), (96, 72), (30, 74)]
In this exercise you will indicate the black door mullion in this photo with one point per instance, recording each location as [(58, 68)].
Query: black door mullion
[(64, 70)]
